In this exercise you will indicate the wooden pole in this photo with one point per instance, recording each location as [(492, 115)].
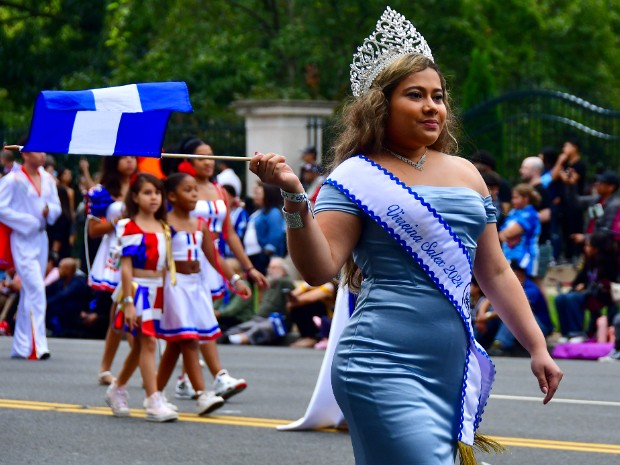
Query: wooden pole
[(205, 157), (171, 155)]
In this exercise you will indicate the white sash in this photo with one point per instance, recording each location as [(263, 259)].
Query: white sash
[(430, 241)]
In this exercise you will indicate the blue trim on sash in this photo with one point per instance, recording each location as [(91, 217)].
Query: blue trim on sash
[(352, 302), (402, 243)]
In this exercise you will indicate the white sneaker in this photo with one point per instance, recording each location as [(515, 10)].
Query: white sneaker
[(170, 405), (614, 356), (184, 389), (208, 402), (226, 386), (118, 400), (157, 410)]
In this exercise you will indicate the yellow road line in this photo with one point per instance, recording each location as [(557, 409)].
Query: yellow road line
[(74, 408), (272, 423), (559, 445)]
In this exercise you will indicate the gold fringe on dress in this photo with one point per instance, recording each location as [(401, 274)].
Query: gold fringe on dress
[(482, 444)]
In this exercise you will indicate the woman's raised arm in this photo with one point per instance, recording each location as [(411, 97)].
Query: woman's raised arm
[(321, 246)]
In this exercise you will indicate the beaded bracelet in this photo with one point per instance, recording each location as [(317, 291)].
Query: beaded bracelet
[(297, 197), (294, 220)]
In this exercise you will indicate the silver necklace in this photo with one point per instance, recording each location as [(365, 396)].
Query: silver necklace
[(418, 165)]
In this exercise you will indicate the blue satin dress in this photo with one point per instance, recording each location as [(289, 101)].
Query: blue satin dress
[(398, 369)]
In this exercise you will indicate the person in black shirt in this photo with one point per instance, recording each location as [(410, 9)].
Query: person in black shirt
[(570, 169)]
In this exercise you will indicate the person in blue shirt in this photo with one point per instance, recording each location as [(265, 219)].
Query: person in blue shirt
[(265, 236), (520, 231), (504, 342)]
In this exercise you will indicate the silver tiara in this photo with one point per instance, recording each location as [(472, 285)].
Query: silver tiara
[(393, 37)]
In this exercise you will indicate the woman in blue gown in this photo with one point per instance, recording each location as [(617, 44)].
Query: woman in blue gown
[(402, 361)]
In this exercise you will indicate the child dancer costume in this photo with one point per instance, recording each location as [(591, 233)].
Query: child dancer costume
[(21, 209), (148, 251), (214, 213), (105, 272), (188, 307)]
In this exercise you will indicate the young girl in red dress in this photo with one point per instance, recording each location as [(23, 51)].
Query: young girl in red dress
[(145, 244)]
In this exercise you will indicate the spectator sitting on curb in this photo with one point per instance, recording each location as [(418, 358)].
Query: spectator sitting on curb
[(306, 302), (66, 300), (504, 342), (233, 310), (590, 289), (269, 325)]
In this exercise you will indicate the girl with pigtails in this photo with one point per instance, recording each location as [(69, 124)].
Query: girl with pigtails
[(212, 208), (188, 318)]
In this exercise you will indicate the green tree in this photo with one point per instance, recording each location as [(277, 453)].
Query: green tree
[(232, 49), (479, 84)]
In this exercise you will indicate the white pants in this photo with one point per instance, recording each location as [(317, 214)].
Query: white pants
[(30, 257)]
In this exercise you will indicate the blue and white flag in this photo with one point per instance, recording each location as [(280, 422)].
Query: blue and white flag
[(125, 120)]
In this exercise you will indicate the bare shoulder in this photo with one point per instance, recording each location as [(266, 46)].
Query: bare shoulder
[(465, 173)]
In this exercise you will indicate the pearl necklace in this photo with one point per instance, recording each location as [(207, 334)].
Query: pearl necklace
[(418, 165)]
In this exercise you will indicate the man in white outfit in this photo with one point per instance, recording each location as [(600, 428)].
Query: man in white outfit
[(29, 201)]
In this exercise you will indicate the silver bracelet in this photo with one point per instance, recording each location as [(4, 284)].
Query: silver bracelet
[(292, 220), (127, 300), (297, 197)]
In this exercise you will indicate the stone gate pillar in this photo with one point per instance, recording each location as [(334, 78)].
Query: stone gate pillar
[(285, 127)]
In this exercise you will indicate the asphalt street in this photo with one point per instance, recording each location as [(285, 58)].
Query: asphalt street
[(52, 412)]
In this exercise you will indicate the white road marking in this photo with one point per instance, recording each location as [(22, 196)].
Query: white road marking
[(556, 400)]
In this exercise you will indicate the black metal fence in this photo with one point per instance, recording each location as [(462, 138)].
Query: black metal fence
[(513, 126), (519, 123), (225, 139), (321, 134)]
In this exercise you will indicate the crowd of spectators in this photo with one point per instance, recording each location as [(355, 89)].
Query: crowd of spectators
[(554, 211), (272, 317), (559, 213)]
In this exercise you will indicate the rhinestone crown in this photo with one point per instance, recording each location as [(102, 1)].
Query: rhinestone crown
[(393, 37)]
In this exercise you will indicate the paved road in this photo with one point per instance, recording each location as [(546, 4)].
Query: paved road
[(53, 412)]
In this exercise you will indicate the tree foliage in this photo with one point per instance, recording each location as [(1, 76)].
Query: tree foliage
[(233, 49)]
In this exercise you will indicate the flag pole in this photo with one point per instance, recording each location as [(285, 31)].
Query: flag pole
[(169, 155), (205, 157)]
